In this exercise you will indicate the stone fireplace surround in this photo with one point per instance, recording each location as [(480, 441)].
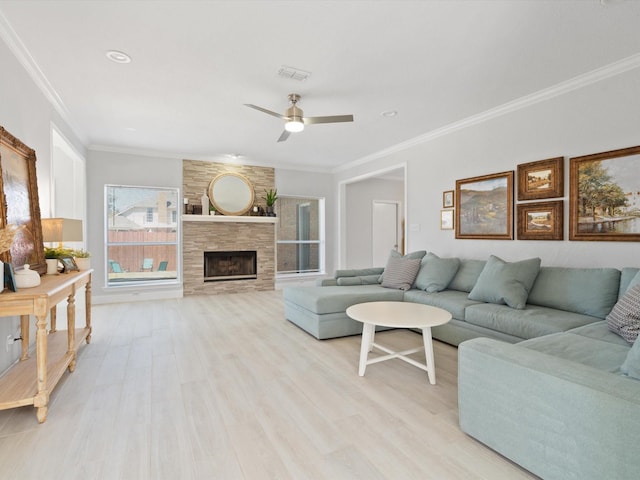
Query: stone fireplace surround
[(217, 233)]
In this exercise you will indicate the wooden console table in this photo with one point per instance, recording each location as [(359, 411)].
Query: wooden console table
[(30, 381)]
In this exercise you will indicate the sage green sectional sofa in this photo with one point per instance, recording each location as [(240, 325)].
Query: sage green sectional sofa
[(546, 384)]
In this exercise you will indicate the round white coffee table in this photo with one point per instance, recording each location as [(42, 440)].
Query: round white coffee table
[(398, 315)]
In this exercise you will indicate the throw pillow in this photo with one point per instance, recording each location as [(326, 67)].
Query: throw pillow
[(506, 283), (394, 254), (436, 273), (631, 365), (624, 318), (400, 273)]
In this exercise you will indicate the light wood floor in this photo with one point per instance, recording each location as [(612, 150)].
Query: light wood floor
[(223, 387)]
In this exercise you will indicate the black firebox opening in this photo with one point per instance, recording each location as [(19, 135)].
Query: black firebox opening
[(230, 265)]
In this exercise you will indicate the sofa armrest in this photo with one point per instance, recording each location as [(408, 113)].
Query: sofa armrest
[(554, 417)]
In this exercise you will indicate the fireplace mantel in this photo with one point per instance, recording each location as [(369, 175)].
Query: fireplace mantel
[(228, 219)]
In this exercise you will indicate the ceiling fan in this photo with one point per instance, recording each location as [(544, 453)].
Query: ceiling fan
[(294, 119)]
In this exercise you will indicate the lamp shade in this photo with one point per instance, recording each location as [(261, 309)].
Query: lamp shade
[(61, 230)]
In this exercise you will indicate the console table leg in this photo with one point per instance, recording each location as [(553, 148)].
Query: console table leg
[(87, 300), (24, 333), (41, 398), (71, 330)]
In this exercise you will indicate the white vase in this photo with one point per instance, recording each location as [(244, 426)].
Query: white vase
[(52, 266), (83, 263)]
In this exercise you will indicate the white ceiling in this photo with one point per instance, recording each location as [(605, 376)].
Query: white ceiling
[(195, 63)]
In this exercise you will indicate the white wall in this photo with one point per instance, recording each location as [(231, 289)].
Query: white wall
[(359, 216), (599, 117), (109, 168), (27, 114)]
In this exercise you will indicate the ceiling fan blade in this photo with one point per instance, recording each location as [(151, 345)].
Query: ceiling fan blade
[(330, 119), (264, 110), (284, 136)]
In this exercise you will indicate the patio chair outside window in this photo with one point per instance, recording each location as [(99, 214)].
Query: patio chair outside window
[(147, 264), (163, 266)]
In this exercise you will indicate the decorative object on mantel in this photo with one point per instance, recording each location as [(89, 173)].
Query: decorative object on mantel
[(231, 194), (27, 278), (271, 198), (185, 200), (204, 201), (19, 204)]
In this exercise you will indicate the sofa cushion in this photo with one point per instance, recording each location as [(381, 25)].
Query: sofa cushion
[(333, 299), (590, 291), (435, 273), (628, 275), (624, 318), (506, 283), (452, 301), (400, 273), (631, 365), (467, 275), (578, 348), (634, 281), (419, 254), (533, 321)]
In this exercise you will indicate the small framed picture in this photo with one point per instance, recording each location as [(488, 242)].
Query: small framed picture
[(446, 220), (448, 199), (9, 279), (541, 221), (69, 264), (541, 179)]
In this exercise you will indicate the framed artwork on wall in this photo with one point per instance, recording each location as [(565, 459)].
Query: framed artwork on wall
[(605, 196), (19, 203), (485, 207), (446, 220), (541, 179), (541, 220), (448, 199)]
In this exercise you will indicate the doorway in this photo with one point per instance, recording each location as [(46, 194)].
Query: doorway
[(385, 231)]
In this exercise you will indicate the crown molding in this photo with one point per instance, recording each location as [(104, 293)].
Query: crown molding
[(20, 51), (576, 83), (204, 158)]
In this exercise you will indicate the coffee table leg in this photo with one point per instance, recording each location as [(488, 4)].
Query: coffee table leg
[(368, 331), (428, 353)]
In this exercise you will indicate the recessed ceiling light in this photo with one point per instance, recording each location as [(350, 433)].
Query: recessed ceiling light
[(389, 113), (118, 57)]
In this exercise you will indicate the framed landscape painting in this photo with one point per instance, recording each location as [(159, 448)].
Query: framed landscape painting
[(541, 220), (485, 207), (541, 179), (605, 196)]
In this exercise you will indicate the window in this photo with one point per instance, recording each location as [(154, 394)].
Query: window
[(300, 235), (142, 235)]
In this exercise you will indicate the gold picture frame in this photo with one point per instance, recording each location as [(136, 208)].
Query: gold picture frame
[(541, 179), (485, 207), (604, 199), (448, 199), (541, 220), (19, 204), (447, 220)]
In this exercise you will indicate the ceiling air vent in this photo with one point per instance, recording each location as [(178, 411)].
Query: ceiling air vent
[(293, 73)]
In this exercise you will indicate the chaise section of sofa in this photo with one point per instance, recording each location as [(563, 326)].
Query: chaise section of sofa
[(556, 405)]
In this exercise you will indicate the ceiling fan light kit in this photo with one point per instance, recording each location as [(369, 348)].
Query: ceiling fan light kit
[(295, 120)]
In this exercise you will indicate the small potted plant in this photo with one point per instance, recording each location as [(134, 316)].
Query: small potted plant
[(82, 259), (52, 254), (270, 199)]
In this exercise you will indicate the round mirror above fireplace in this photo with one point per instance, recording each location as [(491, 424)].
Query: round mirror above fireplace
[(231, 194)]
